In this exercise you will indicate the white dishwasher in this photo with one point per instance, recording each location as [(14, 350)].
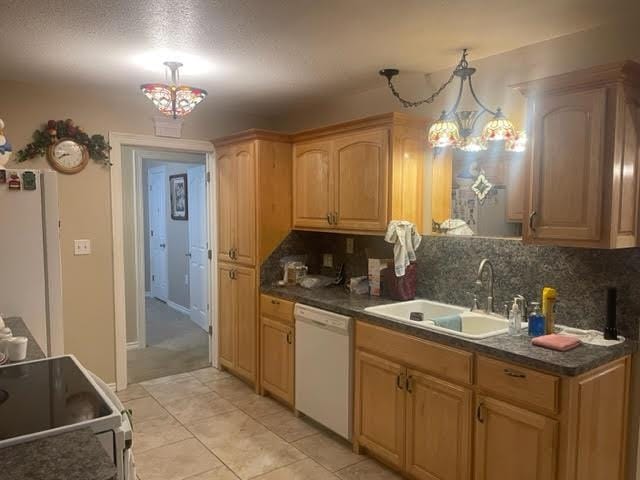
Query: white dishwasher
[(323, 367)]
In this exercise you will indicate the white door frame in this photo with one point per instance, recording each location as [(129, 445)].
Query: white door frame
[(117, 140)]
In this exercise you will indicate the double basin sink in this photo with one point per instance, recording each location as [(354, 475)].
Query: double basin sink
[(451, 319)]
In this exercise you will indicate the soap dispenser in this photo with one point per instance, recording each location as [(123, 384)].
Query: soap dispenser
[(515, 317)]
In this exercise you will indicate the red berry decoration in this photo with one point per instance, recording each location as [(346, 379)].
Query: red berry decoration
[(68, 122), (51, 124)]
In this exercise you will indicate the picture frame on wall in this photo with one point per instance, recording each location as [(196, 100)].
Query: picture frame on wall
[(179, 197)]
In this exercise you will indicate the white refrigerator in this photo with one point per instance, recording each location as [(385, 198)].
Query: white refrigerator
[(30, 264)]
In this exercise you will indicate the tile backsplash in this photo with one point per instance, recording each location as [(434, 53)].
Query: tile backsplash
[(447, 269)]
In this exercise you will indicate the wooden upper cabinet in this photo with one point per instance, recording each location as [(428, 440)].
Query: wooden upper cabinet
[(226, 188), (380, 408), (312, 184), (361, 180), (245, 208), (567, 166), (358, 176), (513, 443), (438, 426), (581, 179)]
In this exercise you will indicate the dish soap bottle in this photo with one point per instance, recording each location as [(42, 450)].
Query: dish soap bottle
[(515, 325), (549, 296), (536, 321)]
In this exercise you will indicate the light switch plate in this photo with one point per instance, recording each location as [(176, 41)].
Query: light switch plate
[(82, 247), (327, 260), (349, 245)]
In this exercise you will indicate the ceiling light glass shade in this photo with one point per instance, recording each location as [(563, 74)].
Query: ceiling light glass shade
[(498, 128), (173, 100), (472, 144), (444, 133), (517, 143)]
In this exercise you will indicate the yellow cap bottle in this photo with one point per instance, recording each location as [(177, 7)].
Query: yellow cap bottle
[(549, 296)]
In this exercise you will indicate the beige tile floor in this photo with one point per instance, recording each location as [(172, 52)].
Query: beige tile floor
[(208, 425)]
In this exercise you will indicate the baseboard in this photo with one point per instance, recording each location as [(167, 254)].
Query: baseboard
[(178, 307), (133, 345), (112, 386)]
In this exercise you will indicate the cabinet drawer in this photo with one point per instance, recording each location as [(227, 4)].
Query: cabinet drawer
[(517, 383), (423, 355), (277, 308)]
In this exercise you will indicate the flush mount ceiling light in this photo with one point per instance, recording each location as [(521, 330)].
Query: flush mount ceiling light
[(455, 128), (173, 100)]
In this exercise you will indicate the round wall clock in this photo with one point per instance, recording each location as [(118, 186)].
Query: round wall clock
[(67, 156)]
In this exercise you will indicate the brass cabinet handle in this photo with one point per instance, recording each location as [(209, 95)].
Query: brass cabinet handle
[(335, 218), (514, 373), (234, 253), (329, 218), (275, 302), (230, 273), (399, 382), (230, 253), (408, 383), (479, 415), (531, 217), (289, 337)]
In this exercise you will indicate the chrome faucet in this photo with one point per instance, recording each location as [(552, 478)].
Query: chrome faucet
[(485, 263)]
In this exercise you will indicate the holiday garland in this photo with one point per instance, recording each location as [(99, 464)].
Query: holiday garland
[(96, 145)]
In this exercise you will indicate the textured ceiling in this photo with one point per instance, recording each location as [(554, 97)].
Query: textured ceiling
[(263, 56)]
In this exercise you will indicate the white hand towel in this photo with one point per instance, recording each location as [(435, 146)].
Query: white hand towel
[(406, 240)]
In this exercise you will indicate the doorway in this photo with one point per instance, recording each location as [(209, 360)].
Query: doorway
[(166, 230)]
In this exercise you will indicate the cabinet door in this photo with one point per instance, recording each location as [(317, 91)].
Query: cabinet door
[(567, 167), (277, 358), (380, 407), (312, 185), (226, 315), (226, 186), (438, 445), (246, 345), (513, 443), (361, 163), (245, 204)]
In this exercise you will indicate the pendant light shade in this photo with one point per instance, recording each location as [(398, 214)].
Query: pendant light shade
[(173, 100), (444, 132), (498, 128)]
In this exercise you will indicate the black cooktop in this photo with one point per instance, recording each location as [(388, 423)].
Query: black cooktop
[(46, 394)]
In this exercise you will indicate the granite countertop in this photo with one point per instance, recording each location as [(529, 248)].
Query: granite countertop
[(19, 329), (75, 455), (513, 349)]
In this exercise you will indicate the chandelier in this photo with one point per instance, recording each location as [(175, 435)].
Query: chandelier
[(456, 128), (173, 100)]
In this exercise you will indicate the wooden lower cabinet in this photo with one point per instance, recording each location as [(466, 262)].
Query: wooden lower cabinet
[(237, 319), (513, 443), (438, 428), (380, 409), (277, 358)]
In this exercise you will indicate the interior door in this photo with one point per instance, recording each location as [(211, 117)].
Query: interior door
[(438, 445), (244, 240), (226, 208), (198, 246), (157, 206), (361, 163), (380, 409), (567, 167), (513, 443), (312, 185)]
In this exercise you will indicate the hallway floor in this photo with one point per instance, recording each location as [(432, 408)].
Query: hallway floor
[(174, 345), (208, 425)]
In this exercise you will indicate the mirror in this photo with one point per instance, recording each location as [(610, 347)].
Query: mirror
[(477, 193)]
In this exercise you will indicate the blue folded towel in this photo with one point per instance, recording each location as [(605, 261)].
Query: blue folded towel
[(452, 322)]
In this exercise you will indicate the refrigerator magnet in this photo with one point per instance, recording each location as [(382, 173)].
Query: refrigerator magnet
[(28, 180), (14, 181)]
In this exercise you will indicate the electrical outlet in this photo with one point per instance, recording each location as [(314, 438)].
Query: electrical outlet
[(82, 247), (327, 260), (349, 245)]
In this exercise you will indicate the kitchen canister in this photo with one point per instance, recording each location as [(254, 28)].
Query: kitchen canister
[(5, 335), (17, 348)]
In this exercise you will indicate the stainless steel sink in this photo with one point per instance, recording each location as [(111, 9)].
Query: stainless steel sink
[(442, 317)]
